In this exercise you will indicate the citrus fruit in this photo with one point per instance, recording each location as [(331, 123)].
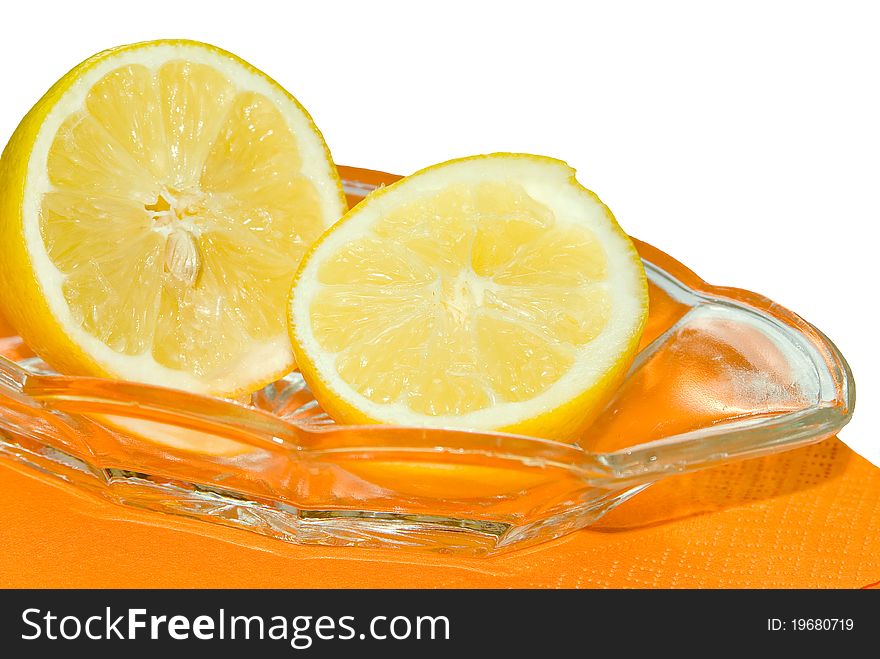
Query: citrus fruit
[(154, 207), (490, 293)]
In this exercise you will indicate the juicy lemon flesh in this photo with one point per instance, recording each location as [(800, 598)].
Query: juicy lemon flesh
[(463, 299), (177, 215)]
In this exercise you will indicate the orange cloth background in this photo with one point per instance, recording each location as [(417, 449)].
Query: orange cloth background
[(806, 518)]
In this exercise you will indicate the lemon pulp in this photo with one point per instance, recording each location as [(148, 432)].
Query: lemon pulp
[(470, 299), (480, 279), (171, 193)]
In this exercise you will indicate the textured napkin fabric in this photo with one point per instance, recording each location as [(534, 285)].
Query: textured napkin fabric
[(808, 518)]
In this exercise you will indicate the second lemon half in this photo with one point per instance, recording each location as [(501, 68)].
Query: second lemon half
[(492, 293)]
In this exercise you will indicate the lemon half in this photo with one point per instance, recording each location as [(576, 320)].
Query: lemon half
[(490, 293), (154, 207)]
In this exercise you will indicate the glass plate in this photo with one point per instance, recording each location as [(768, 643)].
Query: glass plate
[(722, 374)]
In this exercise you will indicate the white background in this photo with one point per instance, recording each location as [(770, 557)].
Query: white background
[(743, 139)]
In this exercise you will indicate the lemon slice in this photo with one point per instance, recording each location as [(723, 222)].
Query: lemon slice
[(490, 293), (154, 207)]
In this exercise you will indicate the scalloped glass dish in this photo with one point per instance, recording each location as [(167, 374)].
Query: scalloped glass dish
[(722, 374)]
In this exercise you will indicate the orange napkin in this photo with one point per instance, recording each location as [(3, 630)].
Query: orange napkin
[(808, 518)]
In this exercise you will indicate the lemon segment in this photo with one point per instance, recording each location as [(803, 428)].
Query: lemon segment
[(491, 293), (157, 202)]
